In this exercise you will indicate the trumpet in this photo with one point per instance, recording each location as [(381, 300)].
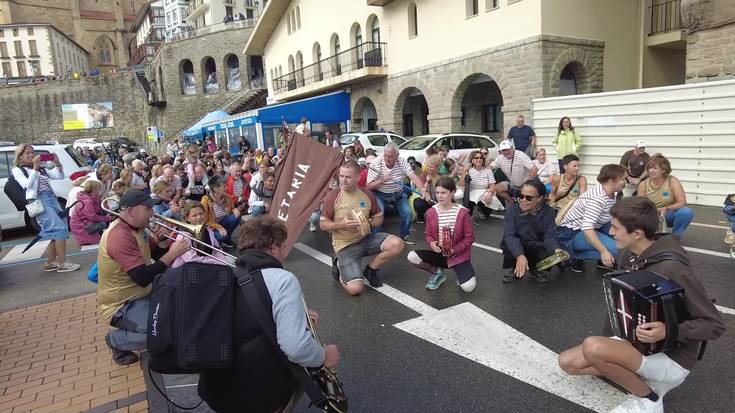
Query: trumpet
[(193, 233)]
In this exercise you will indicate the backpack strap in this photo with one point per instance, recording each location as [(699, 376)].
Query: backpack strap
[(569, 190), (247, 282), (661, 257)]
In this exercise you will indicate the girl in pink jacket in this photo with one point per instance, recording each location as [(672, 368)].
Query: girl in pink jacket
[(89, 220), (446, 217)]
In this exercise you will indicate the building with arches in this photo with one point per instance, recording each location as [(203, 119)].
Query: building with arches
[(428, 67)]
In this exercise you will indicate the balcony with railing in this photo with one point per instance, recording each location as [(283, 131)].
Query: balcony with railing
[(665, 26), (195, 9), (188, 32), (365, 61), (143, 54)]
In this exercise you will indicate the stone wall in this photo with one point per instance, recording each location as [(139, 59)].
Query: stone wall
[(32, 113), (181, 111), (710, 40)]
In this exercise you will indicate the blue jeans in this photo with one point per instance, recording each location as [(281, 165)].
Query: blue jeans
[(731, 218), (577, 245), (229, 222), (404, 210), (679, 220), (257, 210)]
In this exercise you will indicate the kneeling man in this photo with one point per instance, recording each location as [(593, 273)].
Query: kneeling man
[(350, 213), (648, 378)]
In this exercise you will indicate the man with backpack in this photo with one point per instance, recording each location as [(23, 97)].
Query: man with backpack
[(648, 378)]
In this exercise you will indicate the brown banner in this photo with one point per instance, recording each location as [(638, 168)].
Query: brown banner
[(302, 179)]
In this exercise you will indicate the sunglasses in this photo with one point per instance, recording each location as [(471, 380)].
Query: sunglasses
[(528, 198), (478, 157)]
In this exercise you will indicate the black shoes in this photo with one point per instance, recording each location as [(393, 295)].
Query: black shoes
[(539, 277), (121, 357), (577, 265), (335, 269), (372, 276), (509, 277)]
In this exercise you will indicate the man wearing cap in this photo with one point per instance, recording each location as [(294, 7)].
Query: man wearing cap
[(517, 167), (126, 272), (635, 161)]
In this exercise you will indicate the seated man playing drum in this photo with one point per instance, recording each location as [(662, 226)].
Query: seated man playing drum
[(648, 377)]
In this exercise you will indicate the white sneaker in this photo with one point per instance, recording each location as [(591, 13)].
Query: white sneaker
[(67, 267), (312, 227), (730, 237), (640, 405)]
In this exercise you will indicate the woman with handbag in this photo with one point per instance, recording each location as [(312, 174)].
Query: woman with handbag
[(89, 220), (42, 205), (567, 141), (567, 187)]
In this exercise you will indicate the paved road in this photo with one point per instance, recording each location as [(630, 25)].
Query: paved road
[(408, 349)]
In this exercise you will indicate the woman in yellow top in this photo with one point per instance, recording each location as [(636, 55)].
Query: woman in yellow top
[(567, 141), (667, 193)]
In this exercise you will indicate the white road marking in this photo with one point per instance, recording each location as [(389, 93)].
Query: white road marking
[(90, 247), (725, 310), (16, 253), (474, 334), (177, 386), (478, 336), (708, 252), (487, 247)]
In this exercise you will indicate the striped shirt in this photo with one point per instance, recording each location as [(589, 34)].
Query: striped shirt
[(447, 218), (400, 171), (220, 211), (516, 168), (43, 185), (590, 211), (481, 179)]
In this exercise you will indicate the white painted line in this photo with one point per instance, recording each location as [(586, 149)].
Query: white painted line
[(90, 247), (478, 336), (34, 253), (390, 292), (708, 252), (487, 247), (697, 224), (177, 386), (725, 310)]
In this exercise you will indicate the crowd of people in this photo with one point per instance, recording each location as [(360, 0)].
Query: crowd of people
[(548, 208)]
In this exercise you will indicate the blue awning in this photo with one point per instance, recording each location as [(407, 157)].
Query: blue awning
[(196, 129), (330, 108)]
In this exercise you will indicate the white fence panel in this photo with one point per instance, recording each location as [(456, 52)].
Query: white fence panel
[(693, 125)]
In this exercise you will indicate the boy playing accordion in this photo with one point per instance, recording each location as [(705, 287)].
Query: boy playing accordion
[(648, 377)]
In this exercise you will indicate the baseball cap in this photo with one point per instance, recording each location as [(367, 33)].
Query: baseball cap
[(505, 145), (640, 144), (135, 197)]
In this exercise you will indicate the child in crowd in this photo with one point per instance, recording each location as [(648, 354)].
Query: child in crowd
[(729, 210), (447, 214), (89, 220), (194, 214)]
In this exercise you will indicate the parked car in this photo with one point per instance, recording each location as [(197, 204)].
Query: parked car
[(89, 143), (70, 160), (374, 140), (459, 143)]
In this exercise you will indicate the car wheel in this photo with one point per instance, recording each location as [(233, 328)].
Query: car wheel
[(32, 223)]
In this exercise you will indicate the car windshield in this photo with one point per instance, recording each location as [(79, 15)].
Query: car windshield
[(81, 162), (348, 138), (417, 143)]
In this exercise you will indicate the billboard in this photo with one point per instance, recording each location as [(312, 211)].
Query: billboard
[(87, 116)]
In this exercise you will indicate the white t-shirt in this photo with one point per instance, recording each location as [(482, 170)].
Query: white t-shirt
[(547, 170)]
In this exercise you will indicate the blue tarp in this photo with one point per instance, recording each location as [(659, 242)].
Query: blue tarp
[(196, 129), (330, 108)]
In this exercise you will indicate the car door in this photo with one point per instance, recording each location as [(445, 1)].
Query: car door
[(397, 139), (9, 216), (461, 148), (378, 141)]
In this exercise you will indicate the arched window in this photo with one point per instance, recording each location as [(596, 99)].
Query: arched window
[(375, 30), (413, 21), (299, 68), (316, 56), (336, 49), (291, 73), (103, 49), (567, 81), (186, 75), (293, 20), (473, 7), (298, 17), (209, 75), (356, 45), (232, 72), (288, 24)]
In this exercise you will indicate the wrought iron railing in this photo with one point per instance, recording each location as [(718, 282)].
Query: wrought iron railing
[(368, 54), (187, 32), (666, 17)]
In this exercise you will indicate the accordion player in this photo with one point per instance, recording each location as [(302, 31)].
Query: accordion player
[(635, 298)]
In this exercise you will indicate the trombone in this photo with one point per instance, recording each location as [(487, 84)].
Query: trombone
[(193, 233)]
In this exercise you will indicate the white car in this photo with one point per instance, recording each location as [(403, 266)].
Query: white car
[(89, 143), (371, 140), (70, 160), (459, 143)]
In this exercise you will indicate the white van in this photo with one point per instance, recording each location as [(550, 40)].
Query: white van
[(70, 160)]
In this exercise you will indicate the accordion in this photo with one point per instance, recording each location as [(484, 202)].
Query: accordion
[(445, 241), (640, 297)]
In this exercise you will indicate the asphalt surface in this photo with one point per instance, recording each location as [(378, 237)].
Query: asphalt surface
[(385, 369)]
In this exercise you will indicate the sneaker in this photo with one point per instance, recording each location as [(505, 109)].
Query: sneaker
[(602, 266), (436, 281), (121, 357), (407, 239), (312, 227), (335, 269), (226, 244), (67, 267), (509, 277), (540, 277), (372, 276), (730, 237), (640, 405), (51, 267), (577, 265), (419, 220)]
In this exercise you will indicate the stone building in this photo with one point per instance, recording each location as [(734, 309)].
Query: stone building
[(711, 39), (418, 67), (99, 26)]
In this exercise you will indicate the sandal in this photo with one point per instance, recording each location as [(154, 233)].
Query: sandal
[(51, 266)]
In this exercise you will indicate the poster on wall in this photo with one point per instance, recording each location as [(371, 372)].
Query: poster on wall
[(87, 115)]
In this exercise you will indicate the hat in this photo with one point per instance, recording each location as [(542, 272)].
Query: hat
[(505, 145), (135, 197), (640, 144)]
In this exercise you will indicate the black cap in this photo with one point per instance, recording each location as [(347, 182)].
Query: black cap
[(135, 197)]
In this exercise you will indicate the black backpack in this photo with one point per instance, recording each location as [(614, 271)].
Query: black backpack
[(15, 192)]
